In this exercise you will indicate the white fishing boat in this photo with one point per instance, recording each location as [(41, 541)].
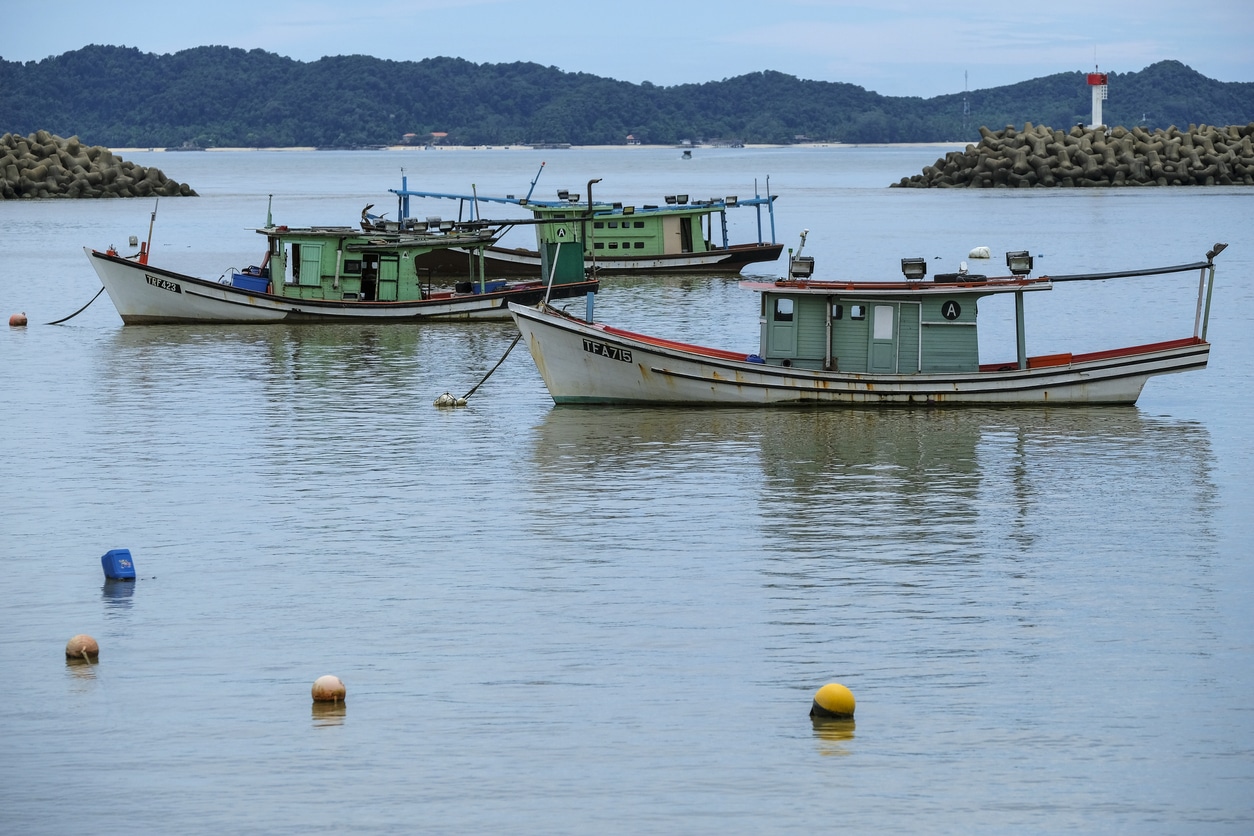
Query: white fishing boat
[(337, 274), (838, 342), (680, 234)]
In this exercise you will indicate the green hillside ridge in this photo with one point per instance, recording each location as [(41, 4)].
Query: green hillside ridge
[(215, 96)]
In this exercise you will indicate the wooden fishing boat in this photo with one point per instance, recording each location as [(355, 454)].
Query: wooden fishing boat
[(837, 342), (336, 274), (677, 235)]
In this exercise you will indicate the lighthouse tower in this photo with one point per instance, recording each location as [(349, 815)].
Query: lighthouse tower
[(1097, 83)]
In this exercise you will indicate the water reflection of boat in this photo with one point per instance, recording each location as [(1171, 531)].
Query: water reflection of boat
[(859, 342), (882, 484)]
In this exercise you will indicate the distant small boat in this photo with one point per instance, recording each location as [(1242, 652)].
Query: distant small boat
[(680, 234), (840, 343), (335, 274)]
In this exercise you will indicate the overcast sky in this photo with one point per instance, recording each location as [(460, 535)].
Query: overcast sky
[(893, 47)]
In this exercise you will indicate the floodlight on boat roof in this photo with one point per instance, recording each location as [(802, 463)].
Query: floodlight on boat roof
[(562, 194), (914, 269), (681, 198), (1020, 262), (629, 210), (670, 198), (731, 200)]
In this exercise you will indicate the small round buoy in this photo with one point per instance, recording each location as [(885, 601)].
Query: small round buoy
[(980, 252), (82, 646), (328, 689), (449, 399), (17, 320), (833, 700)]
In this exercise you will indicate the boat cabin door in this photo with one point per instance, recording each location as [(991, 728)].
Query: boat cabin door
[(305, 264), (883, 347), (677, 235), (780, 328), (369, 276)]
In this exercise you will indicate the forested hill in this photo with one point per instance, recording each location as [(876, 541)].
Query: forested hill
[(217, 96)]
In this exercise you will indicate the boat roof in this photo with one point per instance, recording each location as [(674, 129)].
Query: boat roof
[(981, 285), (672, 203), (463, 236), (951, 283)]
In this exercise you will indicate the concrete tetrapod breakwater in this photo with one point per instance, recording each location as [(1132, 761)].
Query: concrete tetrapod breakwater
[(45, 165), (1041, 156)]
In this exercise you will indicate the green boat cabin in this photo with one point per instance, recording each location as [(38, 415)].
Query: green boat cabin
[(871, 334)]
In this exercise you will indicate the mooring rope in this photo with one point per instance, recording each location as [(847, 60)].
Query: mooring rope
[(447, 398), (80, 310)]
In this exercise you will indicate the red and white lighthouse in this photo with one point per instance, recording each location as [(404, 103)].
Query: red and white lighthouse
[(1097, 83)]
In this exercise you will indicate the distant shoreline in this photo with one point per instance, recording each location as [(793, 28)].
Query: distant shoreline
[(416, 148)]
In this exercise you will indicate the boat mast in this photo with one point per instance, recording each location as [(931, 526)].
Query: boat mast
[(1020, 333), (402, 197), (533, 183), (1201, 320), (583, 230), (770, 207)]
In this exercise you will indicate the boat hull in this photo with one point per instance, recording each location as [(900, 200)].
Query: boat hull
[(501, 261), (596, 364), (148, 295)]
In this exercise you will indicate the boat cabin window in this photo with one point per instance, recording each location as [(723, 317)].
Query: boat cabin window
[(838, 311), (783, 310), (598, 224), (857, 311), (613, 245), (639, 245), (352, 266), (613, 224), (883, 323), (598, 246), (638, 224)]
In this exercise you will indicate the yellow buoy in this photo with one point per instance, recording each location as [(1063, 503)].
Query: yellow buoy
[(833, 700), (82, 647), (328, 689)]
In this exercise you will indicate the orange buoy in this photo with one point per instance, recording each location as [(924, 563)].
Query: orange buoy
[(328, 689), (83, 647), (17, 320)]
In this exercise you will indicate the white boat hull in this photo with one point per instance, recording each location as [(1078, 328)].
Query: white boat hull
[(145, 295), (506, 262), (595, 364)]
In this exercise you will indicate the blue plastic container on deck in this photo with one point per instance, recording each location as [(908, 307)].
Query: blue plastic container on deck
[(244, 281), (118, 565)]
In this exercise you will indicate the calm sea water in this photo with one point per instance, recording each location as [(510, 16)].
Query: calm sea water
[(565, 620)]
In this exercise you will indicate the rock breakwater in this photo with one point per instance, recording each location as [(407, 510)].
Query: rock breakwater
[(1045, 157), (45, 165)]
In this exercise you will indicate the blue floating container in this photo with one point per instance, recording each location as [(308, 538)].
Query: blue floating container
[(118, 565)]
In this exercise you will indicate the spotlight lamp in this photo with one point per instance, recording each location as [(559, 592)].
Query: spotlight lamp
[(1020, 263), (914, 269)]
